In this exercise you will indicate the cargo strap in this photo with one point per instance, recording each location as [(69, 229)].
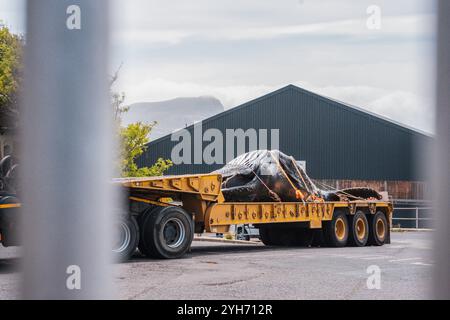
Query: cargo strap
[(340, 191), (298, 192), (312, 192), (273, 194)]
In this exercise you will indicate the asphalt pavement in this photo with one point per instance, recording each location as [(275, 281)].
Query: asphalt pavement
[(217, 270)]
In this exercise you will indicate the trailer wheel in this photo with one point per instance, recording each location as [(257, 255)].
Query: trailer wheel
[(167, 233), (140, 220), (359, 229), (276, 236), (126, 238), (287, 237), (265, 236), (336, 231), (378, 229)]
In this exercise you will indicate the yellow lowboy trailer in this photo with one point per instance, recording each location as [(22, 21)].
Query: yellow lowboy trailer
[(165, 212)]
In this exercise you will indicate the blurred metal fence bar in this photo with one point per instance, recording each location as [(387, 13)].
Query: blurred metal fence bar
[(417, 218), (66, 150), (441, 163)]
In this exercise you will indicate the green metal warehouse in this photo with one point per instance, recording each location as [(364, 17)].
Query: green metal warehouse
[(342, 145)]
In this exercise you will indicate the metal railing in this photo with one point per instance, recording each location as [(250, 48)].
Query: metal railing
[(416, 218)]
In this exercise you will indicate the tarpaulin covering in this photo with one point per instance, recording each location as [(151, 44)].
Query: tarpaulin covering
[(270, 175)]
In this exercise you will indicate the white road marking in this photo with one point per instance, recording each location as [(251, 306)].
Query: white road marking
[(376, 257), (366, 257), (421, 264), (362, 257), (405, 259)]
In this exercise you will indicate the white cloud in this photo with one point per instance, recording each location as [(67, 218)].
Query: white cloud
[(237, 53), (392, 26), (402, 106), (407, 107), (12, 14)]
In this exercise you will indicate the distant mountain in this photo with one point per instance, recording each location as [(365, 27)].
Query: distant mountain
[(172, 114)]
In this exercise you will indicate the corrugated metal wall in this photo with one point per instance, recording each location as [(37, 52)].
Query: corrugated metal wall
[(337, 141)]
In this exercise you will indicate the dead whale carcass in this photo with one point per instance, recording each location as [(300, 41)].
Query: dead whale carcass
[(271, 175)]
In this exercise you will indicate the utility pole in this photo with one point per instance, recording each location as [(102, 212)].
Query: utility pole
[(66, 151)]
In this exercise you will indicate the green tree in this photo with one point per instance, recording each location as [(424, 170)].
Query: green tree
[(11, 69), (133, 140)]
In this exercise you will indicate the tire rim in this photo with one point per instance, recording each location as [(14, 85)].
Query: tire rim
[(360, 229), (123, 238), (381, 229), (339, 229), (174, 233)]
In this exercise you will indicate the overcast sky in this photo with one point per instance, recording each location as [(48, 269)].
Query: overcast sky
[(239, 50)]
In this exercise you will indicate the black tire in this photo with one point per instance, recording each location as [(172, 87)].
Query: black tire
[(336, 231), (359, 229), (167, 233), (140, 220), (126, 238), (378, 229), (275, 236), (6, 163), (315, 238), (11, 179), (296, 237), (264, 235), (285, 236)]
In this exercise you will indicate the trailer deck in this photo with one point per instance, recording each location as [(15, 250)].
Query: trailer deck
[(172, 208)]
